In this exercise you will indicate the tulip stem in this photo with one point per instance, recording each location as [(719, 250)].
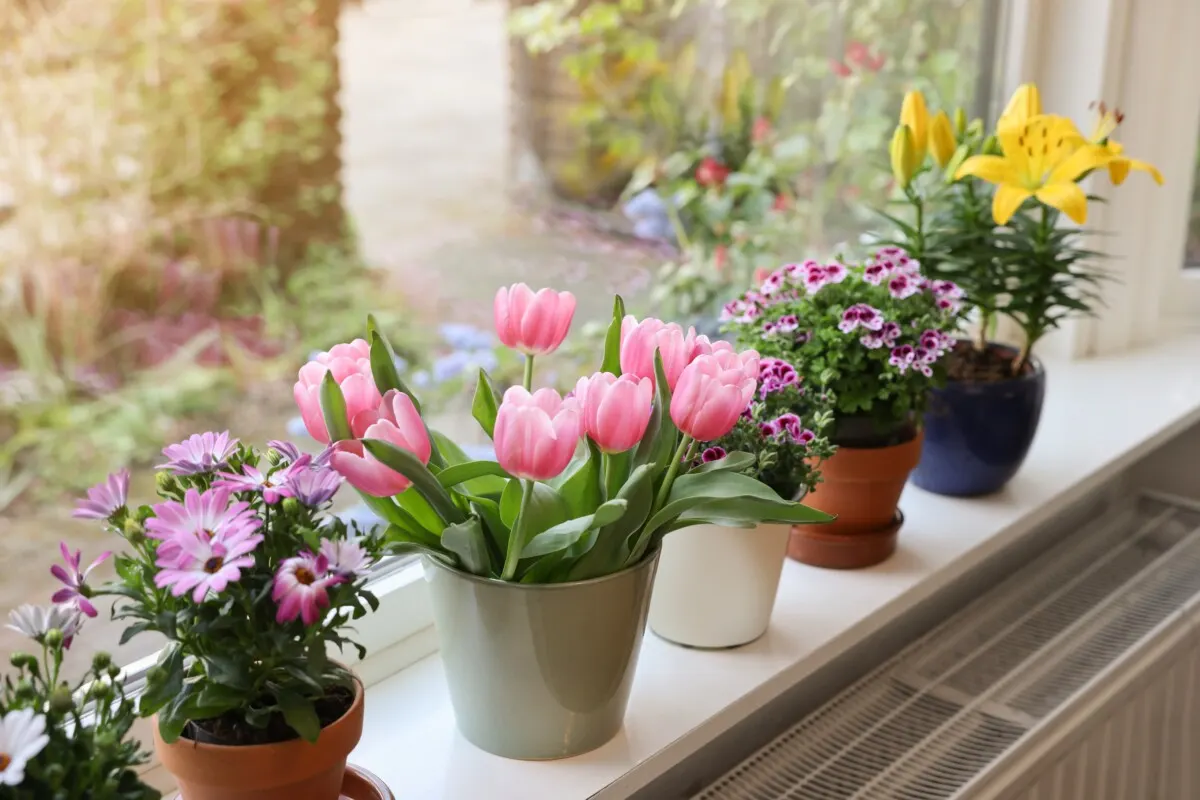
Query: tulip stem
[(664, 491), (528, 373), (516, 537)]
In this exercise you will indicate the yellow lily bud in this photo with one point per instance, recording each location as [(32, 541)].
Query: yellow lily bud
[(941, 139), (915, 116), (904, 157), (1026, 102), (960, 121), (991, 146)]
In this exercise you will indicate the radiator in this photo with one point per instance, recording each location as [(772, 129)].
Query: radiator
[(1074, 679)]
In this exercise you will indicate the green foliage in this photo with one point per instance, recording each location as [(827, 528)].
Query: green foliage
[(90, 755)]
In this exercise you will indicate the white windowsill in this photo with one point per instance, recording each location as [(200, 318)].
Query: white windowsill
[(1099, 415)]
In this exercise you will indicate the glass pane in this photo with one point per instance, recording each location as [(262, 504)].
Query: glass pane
[(194, 196)]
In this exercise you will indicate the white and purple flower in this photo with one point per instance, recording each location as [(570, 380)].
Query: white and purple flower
[(254, 480), (36, 621), (204, 564), (835, 272), (902, 286), (199, 453), (773, 283), (346, 557), (104, 499), (787, 324), (75, 590), (872, 340), (860, 314), (713, 453), (902, 357)]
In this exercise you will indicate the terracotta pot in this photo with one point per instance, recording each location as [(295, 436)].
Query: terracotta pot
[(862, 486), (293, 770)]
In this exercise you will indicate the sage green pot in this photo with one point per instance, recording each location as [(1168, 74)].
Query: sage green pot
[(540, 671)]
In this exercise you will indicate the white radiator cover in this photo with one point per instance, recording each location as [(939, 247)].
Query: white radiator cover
[(1075, 679)]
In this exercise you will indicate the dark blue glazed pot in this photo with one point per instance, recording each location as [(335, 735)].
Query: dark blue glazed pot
[(978, 434)]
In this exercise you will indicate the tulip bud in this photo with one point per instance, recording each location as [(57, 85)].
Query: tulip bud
[(904, 158), (960, 121), (941, 139)]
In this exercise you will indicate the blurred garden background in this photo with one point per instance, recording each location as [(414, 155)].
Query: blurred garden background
[(195, 194)]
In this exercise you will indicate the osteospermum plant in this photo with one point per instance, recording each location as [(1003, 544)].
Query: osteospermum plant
[(582, 486), (870, 335), (59, 739), (243, 571)]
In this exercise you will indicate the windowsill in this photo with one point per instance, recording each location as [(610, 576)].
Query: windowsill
[(1099, 416)]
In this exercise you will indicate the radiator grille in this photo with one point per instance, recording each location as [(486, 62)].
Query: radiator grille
[(941, 712)]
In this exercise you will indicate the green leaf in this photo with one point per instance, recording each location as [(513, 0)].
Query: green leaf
[(737, 461), (486, 404), (661, 438), (565, 534), (299, 714), (423, 480), (609, 550), (419, 511), (391, 512), (399, 543), (383, 367), (580, 488), (546, 508), (466, 541), (333, 408), (493, 526), (612, 340), (462, 473), (164, 681)]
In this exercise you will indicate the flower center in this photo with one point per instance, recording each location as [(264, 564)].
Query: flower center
[(214, 564), (5, 761), (305, 576)]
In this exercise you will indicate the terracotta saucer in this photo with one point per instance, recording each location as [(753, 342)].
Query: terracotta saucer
[(359, 784), (809, 544)]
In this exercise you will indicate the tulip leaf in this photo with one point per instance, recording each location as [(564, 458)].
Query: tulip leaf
[(333, 409), (546, 508), (750, 512), (609, 550), (383, 368), (423, 480), (660, 440), (493, 526), (400, 541), (486, 486), (395, 515), (580, 488), (418, 508), (486, 404), (737, 461), (565, 534), (612, 340), (466, 541), (468, 471)]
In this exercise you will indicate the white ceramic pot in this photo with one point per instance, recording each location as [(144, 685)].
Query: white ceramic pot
[(716, 585)]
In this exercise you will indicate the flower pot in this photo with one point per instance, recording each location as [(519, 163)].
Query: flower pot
[(862, 486), (539, 671), (978, 434), (292, 770), (716, 585)]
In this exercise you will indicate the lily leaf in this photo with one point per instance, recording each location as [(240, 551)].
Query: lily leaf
[(466, 541), (423, 480), (486, 404), (333, 408), (612, 340), (737, 461), (565, 534)]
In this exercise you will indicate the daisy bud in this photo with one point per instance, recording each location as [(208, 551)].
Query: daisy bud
[(24, 661), (61, 700), (290, 505), (100, 690), (24, 690), (100, 661), (166, 483), (54, 637)]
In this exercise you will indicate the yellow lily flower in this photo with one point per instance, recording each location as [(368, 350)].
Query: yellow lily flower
[(904, 159), (1026, 102), (915, 115), (1120, 164), (1044, 157), (941, 139)]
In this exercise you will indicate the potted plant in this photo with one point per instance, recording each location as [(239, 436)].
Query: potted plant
[(984, 214), (716, 583), (250, 582), (540, 563), (60, 739), (871, 336)]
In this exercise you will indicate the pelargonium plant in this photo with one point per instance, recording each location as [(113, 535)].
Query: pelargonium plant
[(785, 428), (583, 485), (870, 335), (247, 576), (60, 739)]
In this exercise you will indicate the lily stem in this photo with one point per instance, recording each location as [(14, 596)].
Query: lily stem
[(516, 538)]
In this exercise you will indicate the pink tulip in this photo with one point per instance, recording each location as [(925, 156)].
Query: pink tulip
[(396, 422), (639, 340), (534, 324), (615, 410), (536, 434), (351, 368), (712, 392)]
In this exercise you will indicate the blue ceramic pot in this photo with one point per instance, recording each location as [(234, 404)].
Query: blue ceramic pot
[(978, 434)]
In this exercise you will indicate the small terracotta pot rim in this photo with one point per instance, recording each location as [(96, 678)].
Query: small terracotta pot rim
[(849, 463), (645, 563), (1033, 361), (816, 532)]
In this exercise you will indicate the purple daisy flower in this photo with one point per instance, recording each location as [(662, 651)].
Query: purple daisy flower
[(200, 452), (254, 480), (104, 499), (313, 487), (203, 516), (713, 453), (346, 557), (75, 591), (207, 564), (288, 452)]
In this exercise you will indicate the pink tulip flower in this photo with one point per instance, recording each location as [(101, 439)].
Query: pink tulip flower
[(615, 410), (536, 434), (534, 324), (397, 422), (639, 340), (351, 368), (712, 393)]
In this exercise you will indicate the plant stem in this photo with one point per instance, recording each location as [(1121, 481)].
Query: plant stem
[(610, 475), (516, 537), (919, 238), (528, 373), (985, 322), (664, 491)]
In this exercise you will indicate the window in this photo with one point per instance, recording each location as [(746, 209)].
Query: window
[(189, 208)]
